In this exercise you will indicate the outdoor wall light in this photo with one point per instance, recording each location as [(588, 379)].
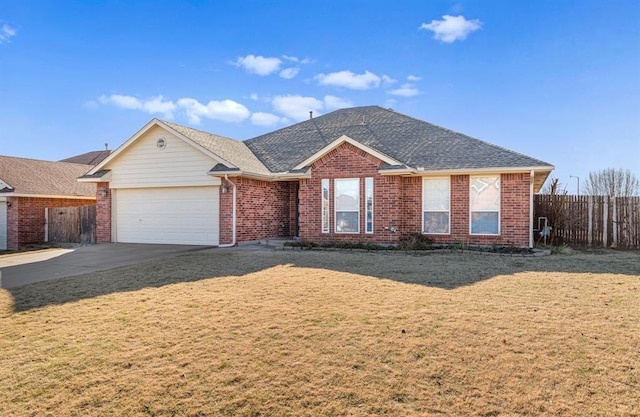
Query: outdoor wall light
[(225, 188), (8, 204), (105, 192)]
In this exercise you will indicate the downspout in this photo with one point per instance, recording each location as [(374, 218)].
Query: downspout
[(531, 178), (233, 220)]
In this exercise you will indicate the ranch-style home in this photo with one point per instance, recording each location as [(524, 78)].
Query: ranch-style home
[(363, 174), (28, 187)]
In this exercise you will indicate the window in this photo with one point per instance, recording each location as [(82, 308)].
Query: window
[(368, 196), (436, 200), (325, 206), (485, 205), (347, 205)]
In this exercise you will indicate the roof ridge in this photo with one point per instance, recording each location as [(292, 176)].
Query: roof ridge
[(42, 160)]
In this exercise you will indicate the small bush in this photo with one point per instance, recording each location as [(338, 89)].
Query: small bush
[(416, 241)]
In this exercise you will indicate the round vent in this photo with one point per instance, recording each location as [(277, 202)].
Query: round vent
[(161, 143)]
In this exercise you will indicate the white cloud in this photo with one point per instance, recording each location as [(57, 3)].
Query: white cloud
[(350, 80), (413, 78), (289, 73), (386, 80), (258, 64), (225, 110), (451, 28), (266, 119), (405, 90), (6, 32), (333, 103), (151, 105), (297, 107), (254, 96), (291, 58)]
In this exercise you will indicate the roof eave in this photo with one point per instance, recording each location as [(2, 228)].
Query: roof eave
[(76, 197), (280, 176)]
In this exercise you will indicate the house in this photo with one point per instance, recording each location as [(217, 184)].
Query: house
[(28, 187), (357, 174), (92, 158)]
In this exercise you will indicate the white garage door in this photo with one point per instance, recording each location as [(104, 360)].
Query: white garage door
[(3, 224), (183, 215)]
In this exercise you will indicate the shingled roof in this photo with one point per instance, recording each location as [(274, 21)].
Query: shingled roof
[(90, 158), (231, 150), (26, 177), (413, 142)]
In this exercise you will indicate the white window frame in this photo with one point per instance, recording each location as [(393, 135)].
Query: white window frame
[(335, 204), (424, 210), (495, 177), (325, 208), (368, 211)]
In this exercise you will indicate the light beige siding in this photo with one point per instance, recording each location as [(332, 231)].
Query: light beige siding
[(144, 165)]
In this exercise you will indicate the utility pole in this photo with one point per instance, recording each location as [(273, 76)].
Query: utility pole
[(578, 181)]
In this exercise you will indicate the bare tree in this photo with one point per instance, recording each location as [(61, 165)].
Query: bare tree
[(613, 183), (556, 212)]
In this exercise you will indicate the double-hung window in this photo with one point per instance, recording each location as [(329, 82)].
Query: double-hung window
[(326, 214), (368, 195), (436, 202), (485, 205), (347, 205)]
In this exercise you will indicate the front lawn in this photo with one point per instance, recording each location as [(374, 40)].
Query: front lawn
[(309, 333)]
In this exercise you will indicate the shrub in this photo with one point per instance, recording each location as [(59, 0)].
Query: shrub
[(416, 241)]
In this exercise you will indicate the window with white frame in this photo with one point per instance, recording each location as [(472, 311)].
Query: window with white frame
[(436, 202), (368, 196), (347, 205), (325, 206), (485, 205)]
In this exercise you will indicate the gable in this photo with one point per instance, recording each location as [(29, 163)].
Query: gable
[(143, 163), (340, 142), (346, 160)]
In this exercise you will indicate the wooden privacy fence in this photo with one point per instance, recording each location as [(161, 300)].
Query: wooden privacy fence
[(589, 221), (71, 224)]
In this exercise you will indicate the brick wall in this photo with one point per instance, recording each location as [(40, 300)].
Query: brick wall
[(263, 210), (26, 218), (398, 203), (103, 213)]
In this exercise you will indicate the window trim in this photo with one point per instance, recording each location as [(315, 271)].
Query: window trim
[(335, 205), (424, 181), (368, 193), (471, 210), (325, 221)]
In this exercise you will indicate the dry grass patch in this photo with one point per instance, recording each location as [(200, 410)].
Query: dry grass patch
[(315, 333)]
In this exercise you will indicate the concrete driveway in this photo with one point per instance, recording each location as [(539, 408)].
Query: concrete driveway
[(27, 268)]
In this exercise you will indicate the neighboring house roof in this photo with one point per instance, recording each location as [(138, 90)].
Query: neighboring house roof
[(231, 150), (32, 177), (410, 141), (89, 158)]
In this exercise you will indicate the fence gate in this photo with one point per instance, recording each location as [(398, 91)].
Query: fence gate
[(72, 224)]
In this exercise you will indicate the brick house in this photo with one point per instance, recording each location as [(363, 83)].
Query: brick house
[(359, 174), (28, 187)]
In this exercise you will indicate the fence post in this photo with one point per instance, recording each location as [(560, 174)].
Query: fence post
[(605, 221), (590, 219), (614, 220)]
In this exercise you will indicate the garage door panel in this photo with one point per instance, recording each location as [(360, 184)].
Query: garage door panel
[(184, 215)]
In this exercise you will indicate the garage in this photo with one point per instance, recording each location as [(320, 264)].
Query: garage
[(172, 215), (3, 224)]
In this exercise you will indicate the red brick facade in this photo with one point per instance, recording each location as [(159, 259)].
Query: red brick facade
[(398, 203), (103, 213), (263, 210), (267, 209), (26, 218)]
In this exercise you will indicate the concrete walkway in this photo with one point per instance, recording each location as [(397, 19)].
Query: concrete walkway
[(29, 267)]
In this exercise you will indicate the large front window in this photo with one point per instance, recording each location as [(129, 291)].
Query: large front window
[(485, 205), (436, 197), (347, 205)]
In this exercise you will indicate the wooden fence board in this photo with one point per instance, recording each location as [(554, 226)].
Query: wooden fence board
[(590, 221), (72, 224)]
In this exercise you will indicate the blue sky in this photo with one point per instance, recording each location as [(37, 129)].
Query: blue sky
[(556, 80)]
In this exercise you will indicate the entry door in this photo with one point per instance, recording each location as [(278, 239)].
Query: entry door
[(3, 224)]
